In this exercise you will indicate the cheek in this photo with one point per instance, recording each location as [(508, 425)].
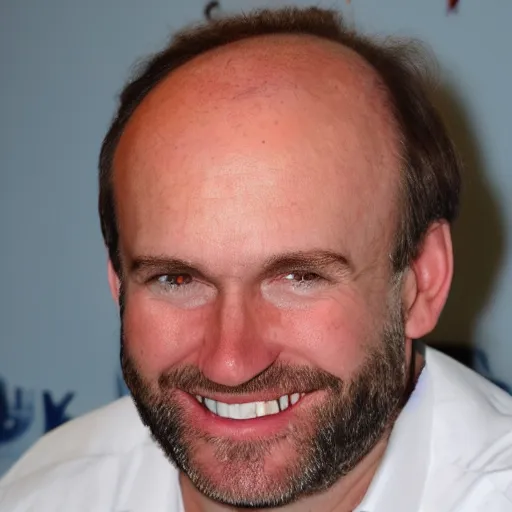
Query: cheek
[(333, 336), (158, 335)]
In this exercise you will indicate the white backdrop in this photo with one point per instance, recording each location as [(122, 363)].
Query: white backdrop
[(62, 64)]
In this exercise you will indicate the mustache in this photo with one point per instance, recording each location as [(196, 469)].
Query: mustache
[(279, 377)]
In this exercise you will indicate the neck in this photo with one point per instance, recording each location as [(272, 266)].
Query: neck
[(345, 495)]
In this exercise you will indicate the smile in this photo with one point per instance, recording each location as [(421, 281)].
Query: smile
[(249, 410)]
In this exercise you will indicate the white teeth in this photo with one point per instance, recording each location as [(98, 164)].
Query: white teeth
[(250, 410), (211, 405), (271, 407), (260, 409), (247, 411), (234, 412), (223, 409)]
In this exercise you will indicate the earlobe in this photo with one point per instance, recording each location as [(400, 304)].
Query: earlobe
[(428, 282), (113, 282)]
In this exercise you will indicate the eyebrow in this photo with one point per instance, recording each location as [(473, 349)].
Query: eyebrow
[(162, 264), (317, 259), (278, 264)]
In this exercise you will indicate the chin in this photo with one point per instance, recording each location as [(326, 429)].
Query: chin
[(246, 474)]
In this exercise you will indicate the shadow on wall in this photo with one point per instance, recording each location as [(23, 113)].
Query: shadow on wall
[(478, 237)]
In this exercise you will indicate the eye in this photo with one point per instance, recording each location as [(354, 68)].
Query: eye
[(302, 278), (174, 280), (181, 289)]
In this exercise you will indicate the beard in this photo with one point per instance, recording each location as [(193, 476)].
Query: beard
[(325, 443)]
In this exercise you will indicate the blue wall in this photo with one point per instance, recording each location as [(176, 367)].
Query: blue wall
[(62, 63)]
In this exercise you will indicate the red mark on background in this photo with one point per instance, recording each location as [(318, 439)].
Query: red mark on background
[(452, 4)]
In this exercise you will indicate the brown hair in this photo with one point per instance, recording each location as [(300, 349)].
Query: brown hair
[(430, 181)]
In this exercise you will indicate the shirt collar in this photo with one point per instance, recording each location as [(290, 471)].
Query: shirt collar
[(399, 482)]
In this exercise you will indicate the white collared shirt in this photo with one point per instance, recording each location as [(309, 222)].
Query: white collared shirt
[(450, 451)]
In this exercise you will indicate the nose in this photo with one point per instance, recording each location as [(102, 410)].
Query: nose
[(236, 345)]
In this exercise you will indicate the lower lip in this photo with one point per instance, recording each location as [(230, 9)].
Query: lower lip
[(254, 428)]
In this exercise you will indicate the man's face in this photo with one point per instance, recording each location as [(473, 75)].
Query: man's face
[(262, 328)]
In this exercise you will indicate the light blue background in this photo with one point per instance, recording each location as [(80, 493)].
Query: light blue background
[(62, 64)]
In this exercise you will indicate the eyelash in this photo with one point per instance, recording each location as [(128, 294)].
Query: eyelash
[(299, 279), (188, 279), (302, 282)]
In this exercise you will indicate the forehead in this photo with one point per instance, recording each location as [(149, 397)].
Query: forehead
[(286, 131)]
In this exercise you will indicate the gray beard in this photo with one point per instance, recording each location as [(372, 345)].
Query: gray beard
[(335, 437)]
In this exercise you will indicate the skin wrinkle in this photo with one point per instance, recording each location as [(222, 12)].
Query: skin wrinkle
[(193, 180)]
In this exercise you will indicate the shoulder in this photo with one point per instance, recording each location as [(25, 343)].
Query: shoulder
[(461, 394), (84, 460), (96, 434), (471, 448)]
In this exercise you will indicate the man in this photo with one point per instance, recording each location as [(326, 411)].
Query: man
[(276, 194)]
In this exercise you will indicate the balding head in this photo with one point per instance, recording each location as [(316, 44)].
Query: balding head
[(430, 178), (255, 196), (285, 123)]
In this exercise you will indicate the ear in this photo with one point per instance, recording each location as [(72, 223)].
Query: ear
[(428, 281), (114, 282)]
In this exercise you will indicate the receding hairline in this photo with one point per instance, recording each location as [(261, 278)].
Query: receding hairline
[(286, 41), (405, 67), (298, 53), (319, 66)]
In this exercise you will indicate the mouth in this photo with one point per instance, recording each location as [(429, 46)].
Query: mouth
[(255, 417), (250, 410)]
